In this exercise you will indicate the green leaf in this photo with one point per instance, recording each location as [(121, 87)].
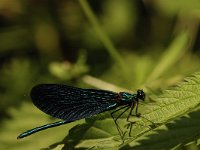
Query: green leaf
[(175, 102), (176, 134), (99, 132), (25, 118), (67, 71), (170, 105)]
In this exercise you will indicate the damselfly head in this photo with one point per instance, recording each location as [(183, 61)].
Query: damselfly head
[(140, 94)]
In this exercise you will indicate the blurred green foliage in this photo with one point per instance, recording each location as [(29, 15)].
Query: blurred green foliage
[(131, 44)]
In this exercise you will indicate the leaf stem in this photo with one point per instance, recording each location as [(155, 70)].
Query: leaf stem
[(103, 36)]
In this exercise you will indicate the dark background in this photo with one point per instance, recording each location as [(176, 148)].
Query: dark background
[(130, 44)]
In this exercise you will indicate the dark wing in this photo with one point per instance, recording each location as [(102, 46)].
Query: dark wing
[(71, 103)]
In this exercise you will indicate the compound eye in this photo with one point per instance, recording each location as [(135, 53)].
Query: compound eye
[(141, 94)]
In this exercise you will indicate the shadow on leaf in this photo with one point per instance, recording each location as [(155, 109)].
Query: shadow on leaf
[(180, 132), (73, 138)]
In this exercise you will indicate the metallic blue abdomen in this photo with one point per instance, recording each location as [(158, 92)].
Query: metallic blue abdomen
[(127, 97)]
